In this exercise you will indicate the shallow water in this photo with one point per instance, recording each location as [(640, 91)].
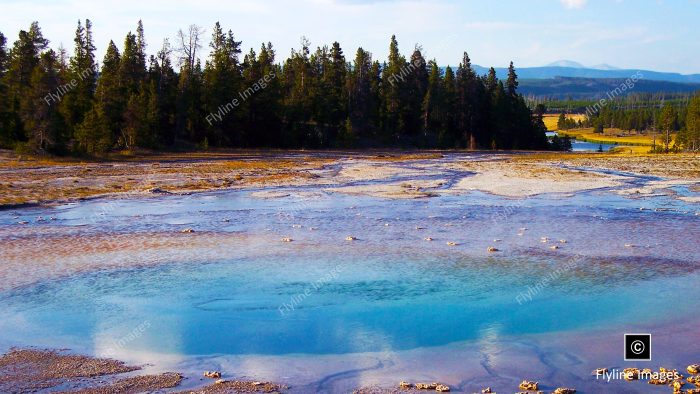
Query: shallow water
[(389, 291)]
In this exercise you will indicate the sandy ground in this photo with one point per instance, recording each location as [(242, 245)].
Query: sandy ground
[(388, 175)]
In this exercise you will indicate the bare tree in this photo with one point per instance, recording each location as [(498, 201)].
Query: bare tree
[(189, 44)]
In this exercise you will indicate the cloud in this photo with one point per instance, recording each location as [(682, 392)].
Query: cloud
[(573, 4)]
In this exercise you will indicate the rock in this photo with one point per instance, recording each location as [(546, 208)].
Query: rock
[(497, 240), (677, 385), (296, 225), (658, 381), (23, 222), (528, 385), (426, 386), (486, 390), (629, 245), (441, 388), (564, 390), (350, 238), (212, 374), (562, 241), (287, 239), (405, 385), (187, 231), (693, 369), (630, 374), (491, 249), (220, 381), (452, 243), (428, 239), (544, 240), (554, 247), (420, 228)]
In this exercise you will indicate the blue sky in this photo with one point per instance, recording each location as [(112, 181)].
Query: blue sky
[(650, 34)]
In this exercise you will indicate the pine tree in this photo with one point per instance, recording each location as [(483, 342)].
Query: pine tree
[(5, 114), (163, 83), (433, 111), (24, 58), (393, 78), (668, 122), (103, 123), (512, 81), (222, 82), (448, 137), (82, 70), (416, 87), (689, 138), (43, 122)]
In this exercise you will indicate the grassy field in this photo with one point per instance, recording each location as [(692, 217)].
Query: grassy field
[(550, 120), (629, 142)]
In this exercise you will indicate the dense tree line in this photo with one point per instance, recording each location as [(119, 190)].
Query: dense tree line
[(53, 102), (644, 113)]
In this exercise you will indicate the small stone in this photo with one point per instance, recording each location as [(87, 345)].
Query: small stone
[(630, 374), (693, 369), (212, 374), (528, 385), (544, 240), (296, 225), (492, 249), (23, 222), (220, 381), (564, 390), (426, 386), (187, 231), (405, 385), (441, 388), (562, 241), (350, 238), (497, 240), (420, 228), (428, 239), (287, 239), (486, 390), (452, 243), (554, 247)]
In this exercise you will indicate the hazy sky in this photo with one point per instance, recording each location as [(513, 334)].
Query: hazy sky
[(660, 35)]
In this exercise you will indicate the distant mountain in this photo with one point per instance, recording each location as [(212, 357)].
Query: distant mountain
[(604, 66), (548, 72), (566, 63), (596, 88)]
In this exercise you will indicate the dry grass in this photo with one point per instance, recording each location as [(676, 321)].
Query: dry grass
[(36, 180), (681, 165), (615, 136), (550, 120)]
